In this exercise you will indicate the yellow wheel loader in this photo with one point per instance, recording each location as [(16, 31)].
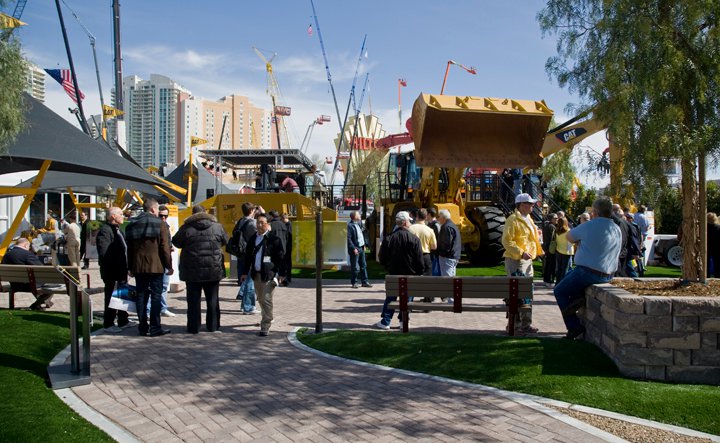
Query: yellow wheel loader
[(453, 135)]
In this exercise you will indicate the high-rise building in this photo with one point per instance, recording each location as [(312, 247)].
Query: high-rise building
[(151, 118), (35, 85), (246, 126)]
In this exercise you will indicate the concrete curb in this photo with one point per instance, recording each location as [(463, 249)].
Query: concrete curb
[(532, 401), (116, 432)]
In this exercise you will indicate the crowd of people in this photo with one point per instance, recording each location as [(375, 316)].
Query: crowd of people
[(606, 242), (262, 243)]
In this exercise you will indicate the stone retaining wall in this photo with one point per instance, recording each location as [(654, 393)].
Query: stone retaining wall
[(658, 338)]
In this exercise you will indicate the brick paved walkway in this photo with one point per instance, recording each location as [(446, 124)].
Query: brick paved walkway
[(235, 386)]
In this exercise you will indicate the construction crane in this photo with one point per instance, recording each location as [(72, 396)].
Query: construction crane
[(91, 37), (308, 133), (19, 8), (278, 111)]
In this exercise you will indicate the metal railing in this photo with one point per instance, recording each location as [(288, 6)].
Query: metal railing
[(78, 372)]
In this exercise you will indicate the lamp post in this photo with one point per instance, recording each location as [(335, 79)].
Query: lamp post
[(318, 192)]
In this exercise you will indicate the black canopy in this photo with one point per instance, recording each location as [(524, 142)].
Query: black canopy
[(47, 136)]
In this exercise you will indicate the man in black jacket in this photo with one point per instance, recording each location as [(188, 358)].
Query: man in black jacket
[(263, 263), (244, 229), (401, 254), (112, 258), (449, 245), (279, 229), (202, 266), (20, 254), (356, 251), (83, 238)]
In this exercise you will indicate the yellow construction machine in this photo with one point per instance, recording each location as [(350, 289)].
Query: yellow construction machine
[(453, 135)]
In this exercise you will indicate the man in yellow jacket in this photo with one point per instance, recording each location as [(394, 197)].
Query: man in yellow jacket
[(521, 240)]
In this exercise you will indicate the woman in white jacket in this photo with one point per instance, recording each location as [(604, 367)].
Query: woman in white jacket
[(72, 240)]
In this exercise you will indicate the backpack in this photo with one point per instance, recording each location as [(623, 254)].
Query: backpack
[(238, 243)]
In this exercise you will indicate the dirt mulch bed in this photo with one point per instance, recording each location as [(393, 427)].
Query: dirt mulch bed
[(674, 288), (631, 432)]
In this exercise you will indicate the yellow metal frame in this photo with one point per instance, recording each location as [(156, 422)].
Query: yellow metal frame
[(79, 205), (28, 198)]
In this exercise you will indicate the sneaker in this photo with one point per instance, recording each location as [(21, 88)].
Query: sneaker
[(129, 324), (113, 329), (382, 326), (264, 333), (366, 285), (49, 304), (575, 333), (159, 332), (450, 301), (355, 286), (168, 314), (253, 312)]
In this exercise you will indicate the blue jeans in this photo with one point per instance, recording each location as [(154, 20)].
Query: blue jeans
[(247, 290), (573, 287), (447, 266), (630, 271), (149, 286), (358, 265), (387, 313), (435, 264), (163, 300)]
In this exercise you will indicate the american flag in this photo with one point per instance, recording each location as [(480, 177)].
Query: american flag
[(64, 77)]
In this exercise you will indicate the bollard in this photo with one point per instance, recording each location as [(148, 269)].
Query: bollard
[(318, 269)]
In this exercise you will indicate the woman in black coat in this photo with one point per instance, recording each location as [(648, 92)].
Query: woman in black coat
[(202, 266)]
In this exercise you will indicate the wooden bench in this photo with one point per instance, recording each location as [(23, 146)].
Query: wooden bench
[(36, 276), (460, 289)]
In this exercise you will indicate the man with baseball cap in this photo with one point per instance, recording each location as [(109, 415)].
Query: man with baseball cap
[(522, 245), (401, 254)]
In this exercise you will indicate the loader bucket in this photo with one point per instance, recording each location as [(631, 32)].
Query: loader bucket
[(456, 132)]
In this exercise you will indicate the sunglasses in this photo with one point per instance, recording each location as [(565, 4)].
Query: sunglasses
[(163, 216)]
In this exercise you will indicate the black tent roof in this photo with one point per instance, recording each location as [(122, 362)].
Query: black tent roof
[(47, 136), (205, 180)]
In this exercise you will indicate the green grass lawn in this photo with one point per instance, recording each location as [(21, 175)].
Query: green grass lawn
[(465, 269), (572, 371), (30, 410)]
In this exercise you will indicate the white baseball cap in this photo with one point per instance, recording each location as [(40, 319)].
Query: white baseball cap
[(403, 215), (524, 198)]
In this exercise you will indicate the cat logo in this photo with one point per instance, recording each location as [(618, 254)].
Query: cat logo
[(570, 134)]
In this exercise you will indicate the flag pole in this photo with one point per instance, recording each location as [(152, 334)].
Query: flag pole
[(83, 120)]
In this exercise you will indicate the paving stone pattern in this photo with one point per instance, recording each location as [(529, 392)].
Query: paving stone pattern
[(236, 386)]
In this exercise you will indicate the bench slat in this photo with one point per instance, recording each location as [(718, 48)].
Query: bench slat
[(470, 288), (466, 280), (465, 294), (449, 308)]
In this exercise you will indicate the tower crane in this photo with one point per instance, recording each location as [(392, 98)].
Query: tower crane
[(273, 90)]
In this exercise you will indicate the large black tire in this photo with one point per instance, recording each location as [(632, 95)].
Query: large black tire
[(490, 221)]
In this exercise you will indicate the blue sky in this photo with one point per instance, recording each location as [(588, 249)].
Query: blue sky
[(207, 47)]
